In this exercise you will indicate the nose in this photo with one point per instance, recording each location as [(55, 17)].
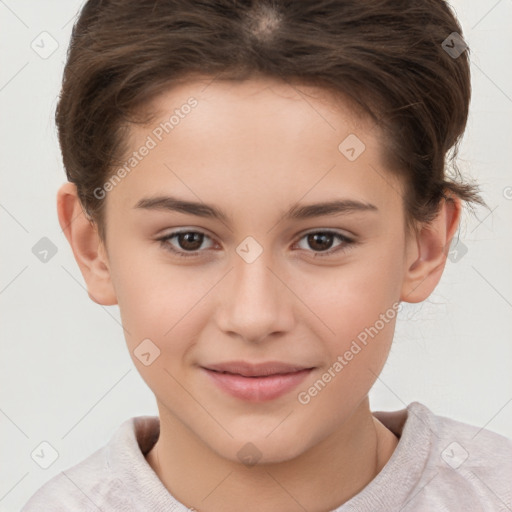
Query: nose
[(254, 301)]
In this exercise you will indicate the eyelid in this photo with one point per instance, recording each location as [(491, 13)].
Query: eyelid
[(344, 233)]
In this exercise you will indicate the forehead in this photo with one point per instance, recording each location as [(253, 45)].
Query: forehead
[(259, 136), (265, 96)]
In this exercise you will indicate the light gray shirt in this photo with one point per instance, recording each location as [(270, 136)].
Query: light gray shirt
[(439, 465)]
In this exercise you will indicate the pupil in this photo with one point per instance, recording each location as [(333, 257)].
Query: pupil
[(189, 239), (314, 238)]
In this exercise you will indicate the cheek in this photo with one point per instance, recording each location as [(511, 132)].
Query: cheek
[(359, 304), (362, 313), (159, 312), (142, 295), (163, 304), (353, 297)]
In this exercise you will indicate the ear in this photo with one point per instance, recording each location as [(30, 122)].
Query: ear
[(427, 250), (88, 249)]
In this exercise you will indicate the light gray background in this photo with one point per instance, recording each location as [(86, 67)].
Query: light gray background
[(66, 375)]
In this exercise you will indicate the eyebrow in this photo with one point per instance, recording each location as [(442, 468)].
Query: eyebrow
[(296, 212)]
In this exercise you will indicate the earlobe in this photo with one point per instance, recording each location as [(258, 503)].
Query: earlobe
[(427, 252), (86, 245)]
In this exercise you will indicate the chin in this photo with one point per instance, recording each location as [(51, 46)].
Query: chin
[(260, 450)]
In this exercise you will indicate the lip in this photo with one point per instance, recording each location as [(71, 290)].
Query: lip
[(256, 382)]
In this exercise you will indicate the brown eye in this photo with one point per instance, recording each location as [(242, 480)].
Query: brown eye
[(188, 243), (322, 241)]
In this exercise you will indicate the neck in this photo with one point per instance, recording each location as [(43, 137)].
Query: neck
[(322, 478)]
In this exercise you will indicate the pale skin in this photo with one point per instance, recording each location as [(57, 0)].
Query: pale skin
[(253, 149)]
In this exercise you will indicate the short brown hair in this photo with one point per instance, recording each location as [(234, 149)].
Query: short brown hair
[(386, 56)]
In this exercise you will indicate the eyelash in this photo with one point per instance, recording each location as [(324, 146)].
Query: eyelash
[(190, 254)]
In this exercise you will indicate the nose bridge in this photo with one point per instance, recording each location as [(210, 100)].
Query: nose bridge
[(254, 283), (254, 279), (255, 305)]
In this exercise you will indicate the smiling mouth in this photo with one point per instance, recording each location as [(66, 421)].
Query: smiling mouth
[(255, 376), (255, 384), (246, 369)]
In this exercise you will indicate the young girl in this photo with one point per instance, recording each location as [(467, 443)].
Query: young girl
[(259, 185)]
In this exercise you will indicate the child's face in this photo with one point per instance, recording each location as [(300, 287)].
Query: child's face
[(258, 289)]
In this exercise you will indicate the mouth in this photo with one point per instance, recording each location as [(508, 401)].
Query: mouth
[(256, 382)]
